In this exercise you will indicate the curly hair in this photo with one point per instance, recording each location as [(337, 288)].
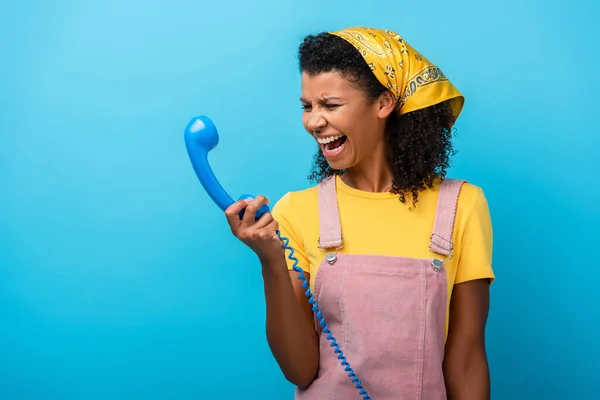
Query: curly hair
[(418, 143)]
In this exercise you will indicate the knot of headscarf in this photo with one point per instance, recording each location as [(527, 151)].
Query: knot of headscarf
[(415, 82)]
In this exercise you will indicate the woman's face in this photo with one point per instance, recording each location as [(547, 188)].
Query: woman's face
[(338, 115)]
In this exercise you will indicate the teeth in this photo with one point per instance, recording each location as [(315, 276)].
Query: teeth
[(329, 139)]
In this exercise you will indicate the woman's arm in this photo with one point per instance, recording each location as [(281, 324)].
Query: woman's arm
[(290, 324), (466, 368)]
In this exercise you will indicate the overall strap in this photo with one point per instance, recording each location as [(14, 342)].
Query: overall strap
[(329, 217), (441, 238)]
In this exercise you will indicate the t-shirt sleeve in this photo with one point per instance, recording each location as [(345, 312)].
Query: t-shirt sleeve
[(475, 261), (288, 219)]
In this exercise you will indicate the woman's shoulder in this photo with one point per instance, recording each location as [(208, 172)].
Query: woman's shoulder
[(297, 211), (470, 196), (471, 199), (296, 200), (467, 192), (471, 205)]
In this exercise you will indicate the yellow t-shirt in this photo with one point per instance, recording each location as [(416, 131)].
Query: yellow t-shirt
[(378, 223)]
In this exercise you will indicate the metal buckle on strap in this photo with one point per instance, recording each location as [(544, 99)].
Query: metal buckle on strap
[(324, 249), (331, 256), (438, 263), (449, 248)]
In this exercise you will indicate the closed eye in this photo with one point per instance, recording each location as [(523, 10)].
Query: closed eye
[(307, 107)]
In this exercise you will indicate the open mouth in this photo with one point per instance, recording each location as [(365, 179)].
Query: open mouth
[(332, 145)]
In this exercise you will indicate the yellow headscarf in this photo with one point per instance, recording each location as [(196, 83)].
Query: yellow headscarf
[(415, 82)]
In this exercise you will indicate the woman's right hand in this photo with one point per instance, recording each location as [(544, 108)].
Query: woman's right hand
[(260, 235), (290, 322)]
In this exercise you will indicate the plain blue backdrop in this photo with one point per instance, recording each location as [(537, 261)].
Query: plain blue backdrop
[(119, 278)]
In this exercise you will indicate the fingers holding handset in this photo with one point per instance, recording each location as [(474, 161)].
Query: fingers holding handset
[(260, 235), (232, 213), (249, 207)]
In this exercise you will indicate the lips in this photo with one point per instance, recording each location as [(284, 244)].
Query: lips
[(329, 139), (332, 145)]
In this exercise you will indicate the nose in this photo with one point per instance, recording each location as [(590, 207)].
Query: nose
[(315, 122)]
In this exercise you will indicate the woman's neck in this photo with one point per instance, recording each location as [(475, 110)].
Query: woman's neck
[(372, 175)]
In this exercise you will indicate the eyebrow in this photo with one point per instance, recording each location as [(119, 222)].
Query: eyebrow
[(325, 98)]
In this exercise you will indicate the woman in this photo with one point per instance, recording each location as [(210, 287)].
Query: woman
[(398, 256)]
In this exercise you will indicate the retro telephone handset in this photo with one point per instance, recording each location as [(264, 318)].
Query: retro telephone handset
[(201, 137)]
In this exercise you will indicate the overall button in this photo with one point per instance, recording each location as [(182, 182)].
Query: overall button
[(437, 264), (331, 258)]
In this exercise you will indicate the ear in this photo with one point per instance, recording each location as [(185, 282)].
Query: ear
[(385, 104)]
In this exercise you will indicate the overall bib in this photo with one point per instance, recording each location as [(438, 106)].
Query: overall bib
[(387, 313)]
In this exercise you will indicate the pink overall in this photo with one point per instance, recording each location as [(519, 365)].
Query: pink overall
[(388, 314)]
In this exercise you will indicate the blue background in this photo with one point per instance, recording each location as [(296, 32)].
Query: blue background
[(119, 278)]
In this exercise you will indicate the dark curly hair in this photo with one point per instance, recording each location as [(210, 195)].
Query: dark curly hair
[(418, 143)]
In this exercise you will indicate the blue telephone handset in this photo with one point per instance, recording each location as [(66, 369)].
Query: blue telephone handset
[(201, 137)]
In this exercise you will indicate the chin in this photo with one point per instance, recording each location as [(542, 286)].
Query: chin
[(339, 164), (340, 160)]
